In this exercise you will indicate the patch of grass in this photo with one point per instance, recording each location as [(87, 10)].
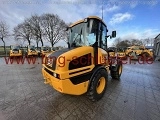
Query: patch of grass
[(2, 52)]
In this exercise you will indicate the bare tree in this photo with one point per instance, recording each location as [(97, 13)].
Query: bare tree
[(117, 41), (148, 41), (35, 24), (152, 41), (4, 32), (54, 28), (23, 32), (126, 43), (136, 42)]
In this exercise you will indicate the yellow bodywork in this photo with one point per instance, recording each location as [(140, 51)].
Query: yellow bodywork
[(112, 54), (31, 50), (30, 53), (150, 53), (15, 51), (128, 50), (65, 85), (101, 85), (139, 50), (69, 71), (15, 54), (80, 21), (121, 55), (60, 79)]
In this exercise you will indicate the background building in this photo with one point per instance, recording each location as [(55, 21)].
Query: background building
[(157, 47)]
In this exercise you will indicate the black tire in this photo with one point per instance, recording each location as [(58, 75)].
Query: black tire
[(130, 53), (116, 71), (145, 56), (92, 91)]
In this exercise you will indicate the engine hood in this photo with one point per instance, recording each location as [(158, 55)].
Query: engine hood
[(65, 57), (60, 52)]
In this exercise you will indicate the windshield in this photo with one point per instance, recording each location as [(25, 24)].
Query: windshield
[(32, 47), (111, 49), (83, 34), (15, 47), (45, 48), (120, 49)]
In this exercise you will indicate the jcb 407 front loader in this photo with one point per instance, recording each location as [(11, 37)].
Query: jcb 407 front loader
[(84, 66), (15, 51)]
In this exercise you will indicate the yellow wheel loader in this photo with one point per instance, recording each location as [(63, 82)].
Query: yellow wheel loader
[(84, 66), (139, 51), (53, 49), (121, 53), (15, 51), (31, 51), (128, 50), (45, 50), (136, 49), (112, 52)]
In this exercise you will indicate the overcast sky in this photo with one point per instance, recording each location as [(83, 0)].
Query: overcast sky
[(131, 19)]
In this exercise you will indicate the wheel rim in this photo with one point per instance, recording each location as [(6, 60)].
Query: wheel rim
[(101, 85), (120, 69)]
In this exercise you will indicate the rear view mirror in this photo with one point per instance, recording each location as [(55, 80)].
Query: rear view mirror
[(67, 28), (113, 34)]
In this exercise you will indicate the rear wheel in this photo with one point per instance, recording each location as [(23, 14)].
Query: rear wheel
[(146, 56), (116, 71), (98, 85), (130, 53)]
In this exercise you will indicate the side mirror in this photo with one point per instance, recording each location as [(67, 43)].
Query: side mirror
[(113, 34), (67, 28), (106, 30), (68, 45)]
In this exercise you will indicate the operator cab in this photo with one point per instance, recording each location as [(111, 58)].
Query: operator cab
[(15, 51), (92, 31), (31, 47), (15, 47), (119, 49), (46, 48), (31, 51)]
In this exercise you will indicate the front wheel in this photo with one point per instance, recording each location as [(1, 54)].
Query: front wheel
[(116, 71), (98, 85)]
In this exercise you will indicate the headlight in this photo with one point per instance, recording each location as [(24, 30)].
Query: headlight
[(54, 74)]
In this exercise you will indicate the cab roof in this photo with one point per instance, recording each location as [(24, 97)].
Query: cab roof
[(90, 17)]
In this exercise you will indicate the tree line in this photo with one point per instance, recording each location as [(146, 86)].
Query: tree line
[(118, 42), (50, 27), (46, 27)]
